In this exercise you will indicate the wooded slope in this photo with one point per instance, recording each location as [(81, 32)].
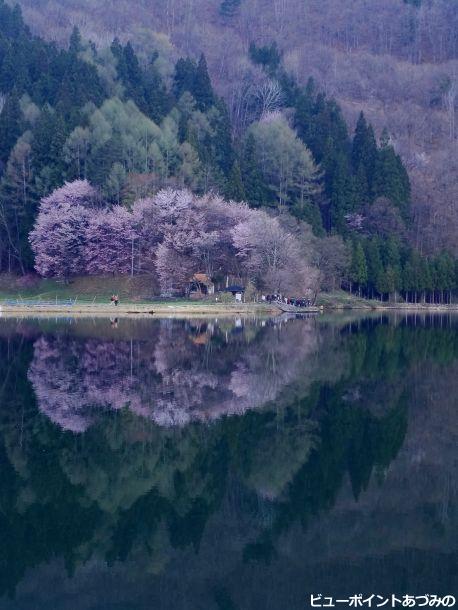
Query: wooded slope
[(396, 60)]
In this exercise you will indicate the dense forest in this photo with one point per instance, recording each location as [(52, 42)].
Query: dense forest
[(396, 60), (133, 119)]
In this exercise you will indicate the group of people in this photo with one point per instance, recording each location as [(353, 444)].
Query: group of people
[(299, 302), (114, 299), (278, 298)]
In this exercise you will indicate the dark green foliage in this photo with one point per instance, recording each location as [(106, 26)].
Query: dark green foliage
[(202, 90), (223, 149), (268, 56), (444, 274), (184, 77), (256, 191), (109, 154), (390, 270), (355, 172), (213, 144), (374, 264), (144, 86), (10, 126), (49, 135), (390, 178), (75, 45), (364, 156), (79, 85), (195, 79), (18, 189), (228, 8), (341, 191), (320, 125), (309, 213), (12, 24), (129, 73), (158, 99), (235, 189), (60, 84), (358, 267), (412, 275), (28, 64)]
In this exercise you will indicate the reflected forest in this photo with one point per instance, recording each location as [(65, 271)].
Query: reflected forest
[(128, 445)]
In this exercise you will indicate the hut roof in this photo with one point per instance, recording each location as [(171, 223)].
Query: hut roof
[(201, 278)]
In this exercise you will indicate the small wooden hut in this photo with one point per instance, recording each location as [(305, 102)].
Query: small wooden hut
[(200, 285)]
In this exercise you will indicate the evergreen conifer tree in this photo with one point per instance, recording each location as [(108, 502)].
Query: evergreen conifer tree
[(75, 45), (392, 261), (374, 265), (133, 78), (228, 8), (254, 186), (364, 155), (340, 189), (389, 281), (156, 95), (234, 188), (184, 77), (10, 126), (426, 276), (222, 141), (390, 178), (108, 155), (444, 275), (49, 136), (202, 88), (268, 56), (413, 280), (358, 267), (20, 202)]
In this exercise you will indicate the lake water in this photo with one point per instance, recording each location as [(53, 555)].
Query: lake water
[(227, 464)]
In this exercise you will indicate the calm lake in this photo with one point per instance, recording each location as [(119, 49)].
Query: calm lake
[(227, 464)]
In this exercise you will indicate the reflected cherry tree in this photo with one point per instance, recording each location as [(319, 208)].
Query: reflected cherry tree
[(182, 372)]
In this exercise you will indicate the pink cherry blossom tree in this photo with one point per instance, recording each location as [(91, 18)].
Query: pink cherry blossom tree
[(58, 238), (110, 242), (173, 234), (271, 256)]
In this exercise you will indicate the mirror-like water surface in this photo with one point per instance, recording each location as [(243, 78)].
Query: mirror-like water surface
[(226, 464)]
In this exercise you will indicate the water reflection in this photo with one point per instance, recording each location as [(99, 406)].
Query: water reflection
[(177, 373), (226, 464)]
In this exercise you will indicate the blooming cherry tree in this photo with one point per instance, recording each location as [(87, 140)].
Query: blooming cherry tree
[(58, 238), (174, 234), (110, 238)]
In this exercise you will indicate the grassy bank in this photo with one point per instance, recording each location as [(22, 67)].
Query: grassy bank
[(88, 289), (33, 296), (162, 309), (91, 296)]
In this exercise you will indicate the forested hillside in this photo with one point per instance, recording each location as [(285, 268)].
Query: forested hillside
[(136, 116), (396, 60)]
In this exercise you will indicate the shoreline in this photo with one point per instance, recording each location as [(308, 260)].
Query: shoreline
[(191, 309), (414, 307), (132, 310)]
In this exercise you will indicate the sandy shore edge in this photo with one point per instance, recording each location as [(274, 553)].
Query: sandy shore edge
[(134, 310), (193, 309)]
